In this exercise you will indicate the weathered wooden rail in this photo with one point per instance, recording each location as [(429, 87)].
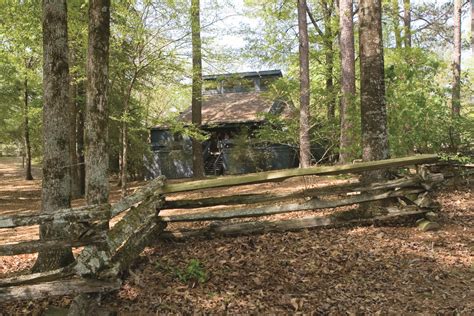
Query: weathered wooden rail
[(148, 211), (407, 190)]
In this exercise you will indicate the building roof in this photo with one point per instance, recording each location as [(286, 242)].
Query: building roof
[(232, 108), (248, 74)]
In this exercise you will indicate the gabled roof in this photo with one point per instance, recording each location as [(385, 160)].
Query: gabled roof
[(234, 108)]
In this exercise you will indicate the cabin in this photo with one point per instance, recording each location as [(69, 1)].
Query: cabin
[(233, 109)]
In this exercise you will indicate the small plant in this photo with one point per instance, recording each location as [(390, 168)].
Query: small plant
[(194, 272)]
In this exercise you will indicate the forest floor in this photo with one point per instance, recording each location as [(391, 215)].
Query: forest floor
[(392, 269)]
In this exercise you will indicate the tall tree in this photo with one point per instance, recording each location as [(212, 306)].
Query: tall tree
[(372, 86), (407, 22), (395, 11), (327, 40), (456, 85), (305, 146), (56, 186), (96, 119), (348, 87), (196, 102)]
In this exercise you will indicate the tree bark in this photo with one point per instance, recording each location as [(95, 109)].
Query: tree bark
[(26, 130), (456, 85), (396, 23), (407, 22), (96, 117), (56, 186), (348, 88), (372, 86), (305, 145), (196, 102)]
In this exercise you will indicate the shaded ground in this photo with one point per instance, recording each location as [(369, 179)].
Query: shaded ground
[(387, 270)]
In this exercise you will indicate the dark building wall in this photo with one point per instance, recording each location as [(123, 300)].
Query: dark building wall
[(172, 157)]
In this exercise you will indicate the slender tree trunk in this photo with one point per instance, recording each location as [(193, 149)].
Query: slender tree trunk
[(472, 26), (328, 7), (348, 88), (26, 127), (96, 116), (80, 139), (305, 146), (56, 186), (396, 23), (124, 167), (196, 103), (407, 22), (456, 86), (75, 185), (331, 106), (373, 109)]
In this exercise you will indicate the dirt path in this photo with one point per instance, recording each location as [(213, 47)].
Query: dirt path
[(369, 270)]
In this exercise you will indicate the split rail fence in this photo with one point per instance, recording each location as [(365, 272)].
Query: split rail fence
[(147, 212)]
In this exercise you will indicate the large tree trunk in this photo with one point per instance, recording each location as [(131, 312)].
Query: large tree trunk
[(407, 22), (26, 130), (372, 87), (305, 146), (196, 103), (348, 87), (56, 186), (396, 23), (96, 120), (456, 86)]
